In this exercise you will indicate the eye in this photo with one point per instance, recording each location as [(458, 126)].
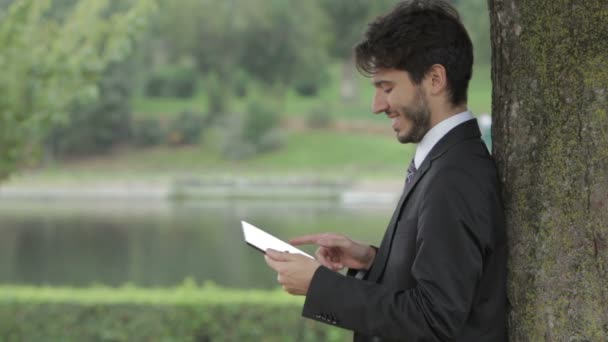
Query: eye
[(387, 90)]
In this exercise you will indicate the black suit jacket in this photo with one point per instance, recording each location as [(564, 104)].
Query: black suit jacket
[(440, 272)]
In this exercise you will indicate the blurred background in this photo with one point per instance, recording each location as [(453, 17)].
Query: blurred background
[(136, 156)]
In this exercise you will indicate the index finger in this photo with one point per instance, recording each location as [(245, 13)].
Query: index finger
[(306, 239), (328, 240)]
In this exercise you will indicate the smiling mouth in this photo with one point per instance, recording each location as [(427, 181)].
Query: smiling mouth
[(395, 123)]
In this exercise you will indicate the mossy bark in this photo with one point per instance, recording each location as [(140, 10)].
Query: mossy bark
[(550, 140)]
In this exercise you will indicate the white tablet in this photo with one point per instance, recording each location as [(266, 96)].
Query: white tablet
[(260, 240)]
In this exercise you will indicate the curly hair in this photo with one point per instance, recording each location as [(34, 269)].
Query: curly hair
[(414, 36)]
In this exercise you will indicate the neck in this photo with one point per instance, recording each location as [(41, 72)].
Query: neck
[(443, 112)]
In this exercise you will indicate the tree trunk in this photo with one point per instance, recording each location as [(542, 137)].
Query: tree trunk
[(349, 87), (550, 112)]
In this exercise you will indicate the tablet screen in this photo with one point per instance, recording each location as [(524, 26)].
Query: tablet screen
[(261, 240)]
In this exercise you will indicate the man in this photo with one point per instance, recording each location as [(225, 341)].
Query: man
[(440, 271)]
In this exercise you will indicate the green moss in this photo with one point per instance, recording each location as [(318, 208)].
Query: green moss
[(556, 156)]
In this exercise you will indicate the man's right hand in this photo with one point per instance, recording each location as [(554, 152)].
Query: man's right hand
[(337, 251)]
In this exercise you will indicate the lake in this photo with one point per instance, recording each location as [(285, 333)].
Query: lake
[(160, 244)]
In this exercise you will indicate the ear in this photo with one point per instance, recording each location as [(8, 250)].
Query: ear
[(437, 80)]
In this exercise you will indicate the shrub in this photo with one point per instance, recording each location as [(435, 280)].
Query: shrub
[(174, 81), (186, 313), (156, 85), (319, 117), (260, 119), (147, 132), (96, 127), (183, 82), (307, 88), (232, 145), (308, 83), (253, 132), (240, 83), (217, 103), (186, 128)]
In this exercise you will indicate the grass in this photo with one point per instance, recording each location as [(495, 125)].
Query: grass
[(318, 153)]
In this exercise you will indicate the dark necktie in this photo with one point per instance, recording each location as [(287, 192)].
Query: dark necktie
[(411, 171)]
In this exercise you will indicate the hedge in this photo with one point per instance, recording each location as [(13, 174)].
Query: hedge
[(185, 313)]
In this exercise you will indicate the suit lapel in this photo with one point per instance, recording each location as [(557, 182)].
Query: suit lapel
[(464, 131), (387, 241)]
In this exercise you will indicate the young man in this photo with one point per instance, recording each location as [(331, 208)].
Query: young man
[(440, 271)]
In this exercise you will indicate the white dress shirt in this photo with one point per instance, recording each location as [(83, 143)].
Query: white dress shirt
[(432, 137)]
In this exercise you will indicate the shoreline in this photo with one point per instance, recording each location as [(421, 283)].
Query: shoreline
[(288, 188)]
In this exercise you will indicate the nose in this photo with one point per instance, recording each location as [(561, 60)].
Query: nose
[(379, 104)]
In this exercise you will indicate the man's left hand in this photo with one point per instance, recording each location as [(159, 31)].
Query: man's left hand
[(295, 271)]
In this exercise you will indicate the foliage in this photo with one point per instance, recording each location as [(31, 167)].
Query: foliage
[(186, 128), (308, 83), (185, 313), (47, 64), (256, 131), (156, 85), (241, 83), (290, 42), (319, 117), (147, 132), (272, 42), (217, 99), (172, 81), (260, 119), (474, 14), (95, 127), (348, 21)]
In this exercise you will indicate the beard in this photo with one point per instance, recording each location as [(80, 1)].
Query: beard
[(420, 116)]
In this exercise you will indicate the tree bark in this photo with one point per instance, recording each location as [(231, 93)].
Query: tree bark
[(550, 113), (349, 87)]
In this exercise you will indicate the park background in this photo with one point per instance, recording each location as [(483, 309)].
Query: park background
[(120, 218)]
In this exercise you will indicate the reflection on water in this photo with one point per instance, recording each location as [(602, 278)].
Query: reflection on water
[(158, 243)]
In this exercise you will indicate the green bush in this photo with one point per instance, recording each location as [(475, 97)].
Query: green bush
[(217, 100), (186, 313), (256, 131), (319, 117), (184, 82), (260, 120), (186, 128), (174, 81), (147, 132), (96, 127), (309, 79), (156, 85), (309, 84), (240, 83)]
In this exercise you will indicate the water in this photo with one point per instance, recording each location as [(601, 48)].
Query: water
[(154, 244)]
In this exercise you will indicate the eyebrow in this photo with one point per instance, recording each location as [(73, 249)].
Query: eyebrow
[(379, 83)]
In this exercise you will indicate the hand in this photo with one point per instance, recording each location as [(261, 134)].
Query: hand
[(337, 251), (295, 271)]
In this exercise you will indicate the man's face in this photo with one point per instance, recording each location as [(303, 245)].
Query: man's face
[(402, 101)]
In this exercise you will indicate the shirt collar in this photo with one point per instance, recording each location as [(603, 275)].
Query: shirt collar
[(435, 134)]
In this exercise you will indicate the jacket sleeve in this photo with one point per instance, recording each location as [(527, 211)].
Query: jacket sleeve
[(360, 274), (447, 268)]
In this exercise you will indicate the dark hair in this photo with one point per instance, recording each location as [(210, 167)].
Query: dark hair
[(414, 36)]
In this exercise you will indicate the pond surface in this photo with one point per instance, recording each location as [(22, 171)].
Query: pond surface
[(153, 244)]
